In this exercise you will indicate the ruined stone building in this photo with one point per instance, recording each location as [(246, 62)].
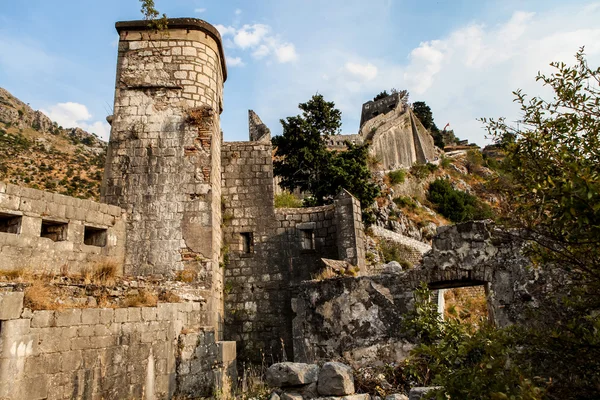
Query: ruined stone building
[(396, 136), (176, 197)]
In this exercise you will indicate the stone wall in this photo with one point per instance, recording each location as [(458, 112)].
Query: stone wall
[(360, 319), (372, 109), (123, 353), (163, 163), (48, 232), (268, 249)]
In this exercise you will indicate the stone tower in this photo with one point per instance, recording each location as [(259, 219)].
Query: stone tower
[(164, 156)]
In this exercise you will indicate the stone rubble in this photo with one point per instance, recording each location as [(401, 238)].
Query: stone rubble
[(333, 381)]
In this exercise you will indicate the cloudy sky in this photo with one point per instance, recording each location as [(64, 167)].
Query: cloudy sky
[(462, 57)]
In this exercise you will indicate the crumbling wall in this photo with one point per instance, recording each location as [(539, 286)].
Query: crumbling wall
[(163, 163), (360, 319), (123, 353), (48, 232)]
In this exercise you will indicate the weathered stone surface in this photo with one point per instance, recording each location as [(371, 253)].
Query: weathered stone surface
[(291, 396), (274, 396), (397, 397), (418, 393), (392, 268), (291, 374), (335, 379), (349, 397), (11, 305)]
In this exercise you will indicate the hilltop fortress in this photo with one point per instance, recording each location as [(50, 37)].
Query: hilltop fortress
[(176, 199)]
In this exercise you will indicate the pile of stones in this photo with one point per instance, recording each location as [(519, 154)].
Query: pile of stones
[(333, 381)]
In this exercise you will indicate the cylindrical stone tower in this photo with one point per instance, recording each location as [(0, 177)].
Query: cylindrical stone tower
[(164, 156)]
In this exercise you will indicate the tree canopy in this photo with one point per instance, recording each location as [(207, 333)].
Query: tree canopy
[(303, 161)]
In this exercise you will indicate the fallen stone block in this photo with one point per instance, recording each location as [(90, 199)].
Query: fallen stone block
[(396, 397), (418, 393), (11, 305), (335, 379), (349, 397), (291, 396), (292, 374), (306, 391)]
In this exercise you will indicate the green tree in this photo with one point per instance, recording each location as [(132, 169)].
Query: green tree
[(151, 14), (303, 161), (381, 95), (424, 114)]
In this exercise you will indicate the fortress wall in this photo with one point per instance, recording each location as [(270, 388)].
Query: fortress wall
[(48, 232), (123, 353), (268, 249)]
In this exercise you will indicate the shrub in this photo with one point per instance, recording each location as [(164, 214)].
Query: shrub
[(445, 162), (287, 200), (457, 205), (405, 202), (474, 161), (396, 177), (142, 298), (392, 251), (422, 171), (39, 296)]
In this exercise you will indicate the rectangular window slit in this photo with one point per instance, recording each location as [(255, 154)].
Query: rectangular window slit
[(95, 236), (247, 242), (308, 239), (10, 223), (55, 231)]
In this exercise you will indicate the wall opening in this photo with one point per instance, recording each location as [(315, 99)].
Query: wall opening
[(308, 239), (466, 304), (10, 223), (247, 242), (95, 236), (55, 231)]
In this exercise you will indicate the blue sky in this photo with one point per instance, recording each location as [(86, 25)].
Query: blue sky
[(463, 57)]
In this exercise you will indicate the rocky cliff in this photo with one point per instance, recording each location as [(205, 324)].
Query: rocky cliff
[(35, 152)]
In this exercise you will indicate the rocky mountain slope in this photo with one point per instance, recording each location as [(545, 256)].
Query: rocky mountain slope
[(35, 152)]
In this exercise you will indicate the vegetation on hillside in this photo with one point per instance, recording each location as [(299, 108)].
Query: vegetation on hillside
[(51, 158)]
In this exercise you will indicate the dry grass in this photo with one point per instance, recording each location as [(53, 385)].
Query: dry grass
[(187, 275), (169, 297), (40, 296), (467, 305), (143, 298), (100, 274)]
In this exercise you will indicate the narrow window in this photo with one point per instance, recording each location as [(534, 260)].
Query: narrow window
[(55, 231), (247, 242), (10, 223), (308, 239), (95, 236)]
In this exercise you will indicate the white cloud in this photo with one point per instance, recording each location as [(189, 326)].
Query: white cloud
[(225, 30), (366, 72), (250, 35), (235, 62), (238, 11), (286, 53), (199, 10), (258, 39), (72, 115)]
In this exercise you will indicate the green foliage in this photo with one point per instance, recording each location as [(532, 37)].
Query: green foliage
[(396, 177), (469, 364), (551, 182), (287, 200), (303, 161), (422, 171), (381, 96), (392, 251), (156, 22), (474, 161), (405, 202), (445, 162), (456, 205)]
